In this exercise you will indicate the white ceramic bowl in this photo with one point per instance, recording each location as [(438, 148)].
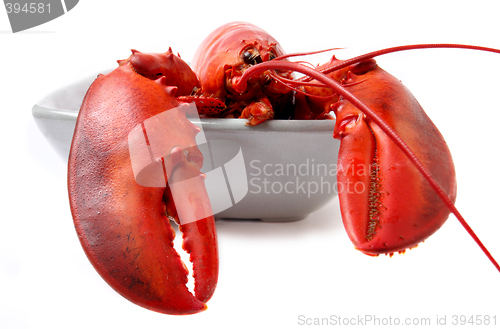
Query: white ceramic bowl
[(281, 170)]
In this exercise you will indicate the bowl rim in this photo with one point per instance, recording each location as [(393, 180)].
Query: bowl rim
[(215, 124)]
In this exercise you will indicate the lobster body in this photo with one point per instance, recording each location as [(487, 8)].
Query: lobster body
[(134, 163), (387, 205), (124, 226), (224, 56)]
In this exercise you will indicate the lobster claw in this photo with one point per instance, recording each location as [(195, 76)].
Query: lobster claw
[(131, 143), (387, 205), (396, 178)]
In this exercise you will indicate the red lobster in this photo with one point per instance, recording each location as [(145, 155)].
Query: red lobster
[(121, 203)]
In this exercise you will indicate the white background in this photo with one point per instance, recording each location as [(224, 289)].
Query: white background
[(271, 273)]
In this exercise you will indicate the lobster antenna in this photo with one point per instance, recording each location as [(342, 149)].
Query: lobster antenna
[(292, 83), (360, 58), (305, 53), (280, 65)]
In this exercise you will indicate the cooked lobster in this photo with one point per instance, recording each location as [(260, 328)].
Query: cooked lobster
[(134, 164)]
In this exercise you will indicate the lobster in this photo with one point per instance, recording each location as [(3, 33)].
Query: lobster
[(134, 163)]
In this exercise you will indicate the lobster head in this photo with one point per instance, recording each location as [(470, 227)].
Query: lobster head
[(227, 53)]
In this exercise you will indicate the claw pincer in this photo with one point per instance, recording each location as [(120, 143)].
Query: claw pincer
[(132, 141)]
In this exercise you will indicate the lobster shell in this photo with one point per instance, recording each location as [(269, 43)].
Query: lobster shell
[(387, 205), (122, 225)]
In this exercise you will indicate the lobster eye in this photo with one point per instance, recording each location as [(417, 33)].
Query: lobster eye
[(251, 57)]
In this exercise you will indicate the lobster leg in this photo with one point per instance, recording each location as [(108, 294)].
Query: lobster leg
[(123, 224), (258, 111)]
